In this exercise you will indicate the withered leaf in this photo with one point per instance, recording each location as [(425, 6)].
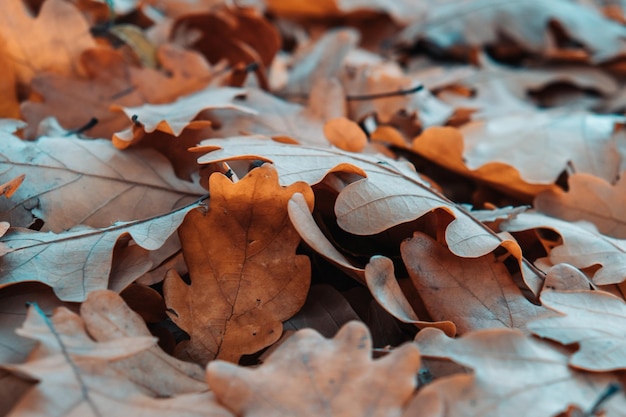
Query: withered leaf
[(75, 379), (594, 319), (78, 261), (73, 181), (245, 276), (346, 381), (588, 198), (474, 293), (514, 375)]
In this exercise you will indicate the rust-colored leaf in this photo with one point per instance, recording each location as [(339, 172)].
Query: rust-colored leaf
[(245, 276)]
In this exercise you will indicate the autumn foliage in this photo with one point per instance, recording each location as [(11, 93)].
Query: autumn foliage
[(335, 208)]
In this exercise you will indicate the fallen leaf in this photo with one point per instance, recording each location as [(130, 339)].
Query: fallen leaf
[(347, 382), (585, 321), (473, 293), (107, 81), (74, 378), (173, 117), (10, 187), (73, 181), (582, 246), (514, 375), (55, 38), (382, 283), (588, 198), (78, 261), (345, 134), (107, 318), (391, 194), (245, 279), (9, 104), (468, 24)]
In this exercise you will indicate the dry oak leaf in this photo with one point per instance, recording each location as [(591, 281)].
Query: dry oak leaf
[(76, 377), (444, 146), (78, 261), (73, 181), (10, 187), (582, 246), (390, 194), (107, 81), (541, 144), (474, 293), (588, 198), (245, 276), (595, 320), (173, 117), (514, 375), (313, 376), (51, 42), (108, 318), (9, 103), (467, 24)]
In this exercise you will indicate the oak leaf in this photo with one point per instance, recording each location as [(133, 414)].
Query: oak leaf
[(78, 261), (173, 117), (52, 41), (245, 277), (585, 320), (75, 377), (345, 379), (588, 198), (73, 181), (474, 293), (108, 318), (391, 193), (582, 246), (466, 24), (514, 375)]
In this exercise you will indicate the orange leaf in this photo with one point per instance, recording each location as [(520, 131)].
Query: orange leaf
[(245, 276), (309, 373), (345, 134)]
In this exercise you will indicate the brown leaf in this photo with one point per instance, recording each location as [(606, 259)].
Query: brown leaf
[(382, 283), (10, 187), (52, 41), (585, 321), (78, 261), (347, 382), (89, 386), (581, 246), (107, 81), (173, 117), (108, 318), (588, 198), (345, 134), (474, 293), (514, 375), (73, 181), (245, 276)]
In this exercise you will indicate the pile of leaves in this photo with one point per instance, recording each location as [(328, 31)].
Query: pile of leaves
[(281, 208)]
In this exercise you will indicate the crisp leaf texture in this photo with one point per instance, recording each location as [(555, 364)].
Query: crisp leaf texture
[(245, 276), (75, 379), (73, 182), (582, 246), (589, 198), (594, 319), (474, 293), (514, 375), (78, 261), (334, 377)]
